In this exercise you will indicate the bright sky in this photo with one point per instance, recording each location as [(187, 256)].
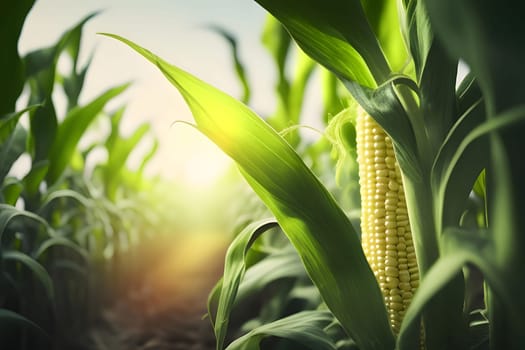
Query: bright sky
[(173, 29)]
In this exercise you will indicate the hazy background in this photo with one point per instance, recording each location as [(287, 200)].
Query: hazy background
[(175, 30)]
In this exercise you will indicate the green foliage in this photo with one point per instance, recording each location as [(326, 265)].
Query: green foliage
[(307, 213), (235, 266), (59, 233), (71, 130), (12, 17), (305, 328), (400, 64), (238, 65)]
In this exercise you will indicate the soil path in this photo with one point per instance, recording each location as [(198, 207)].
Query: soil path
[(167, 311)]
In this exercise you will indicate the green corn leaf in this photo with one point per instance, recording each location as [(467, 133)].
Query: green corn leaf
[(318, 228), (71, 266), (506, 189), (437, 94), (9, 122), (12, 17), (11, 150), (383, 17), (468, 93), (119, 151), (9, 318), (460, 247), (452, 185), (277, 41), (38, 270), (291, 98), (34, 178), (304, 68), (289, 90), (60, 242), (148, 156), (437, 277), (239, 66), (480, 186), (43, 126), (506, 204), (71, 130), (41, 63), (61, 194), (234, 267), (305, 328), (488, 36), (335, 33), (467, 136), (272, 268), (74, 83), (9, 213), (418, 32), (11, 190), (41, 69)]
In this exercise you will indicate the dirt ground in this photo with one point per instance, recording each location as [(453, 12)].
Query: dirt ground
[(168, 309)]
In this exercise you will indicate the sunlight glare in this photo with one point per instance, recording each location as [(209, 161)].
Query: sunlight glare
[(204, 165), (189, 157)]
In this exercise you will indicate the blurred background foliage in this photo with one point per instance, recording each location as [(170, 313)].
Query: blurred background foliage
[(79, 226)]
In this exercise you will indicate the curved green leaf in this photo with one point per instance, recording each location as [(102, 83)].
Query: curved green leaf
[(74, 83), (36, 175), (437, 94), (336, 34), (11, 190), (8, 317), (119, 150), (277, 41), (271, 268), (234, 268), (41, 69), (289, 105), (60, 194), (38, 270), (383, 16), (62, 242), (75, 268), (11, 150), (452, 185), (459, 248), (317, 227), (467, 135), (12, 18), (239, 66), (148, 156), (71, 130), (468, 93), (488, 35), (417, 31), (9, 213), (9, 122), (305, 328)]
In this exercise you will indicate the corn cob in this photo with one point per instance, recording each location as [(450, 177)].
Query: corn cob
[(385, 229)]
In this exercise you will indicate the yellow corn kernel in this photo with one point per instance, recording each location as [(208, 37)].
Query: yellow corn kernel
[(385, 229)]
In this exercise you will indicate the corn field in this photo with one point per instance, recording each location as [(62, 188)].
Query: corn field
[(399, 227)]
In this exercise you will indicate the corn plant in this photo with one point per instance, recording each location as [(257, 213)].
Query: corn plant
[(399, 61), (294, 71), (63, 236)]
